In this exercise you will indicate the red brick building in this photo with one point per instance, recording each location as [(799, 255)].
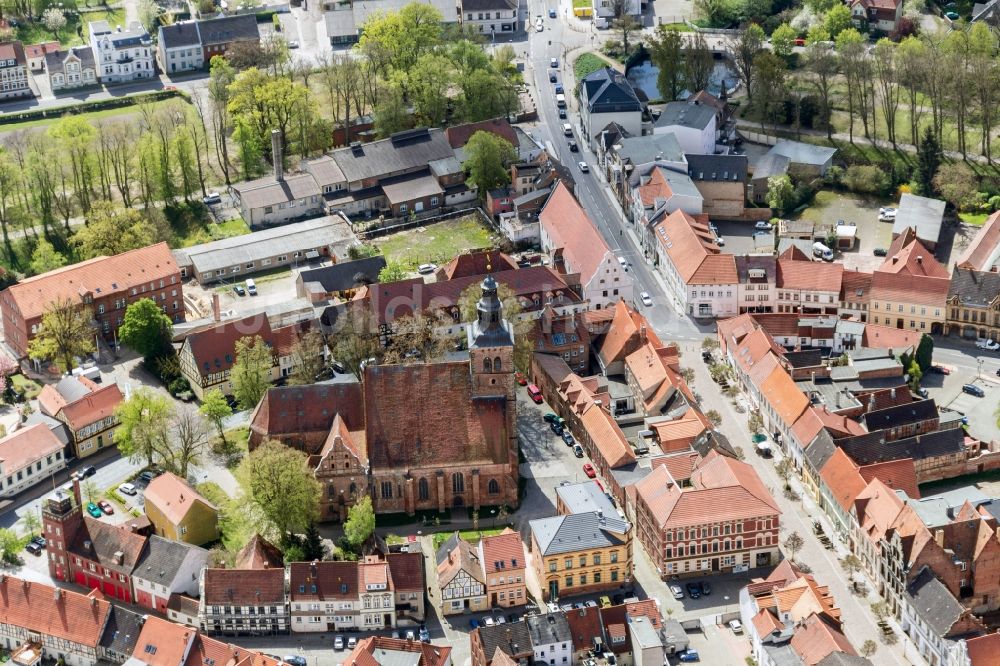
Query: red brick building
[(105, 285)]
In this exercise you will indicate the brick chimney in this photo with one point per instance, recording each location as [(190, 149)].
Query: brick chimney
[(939, 537), (216, 308), (277, 156)]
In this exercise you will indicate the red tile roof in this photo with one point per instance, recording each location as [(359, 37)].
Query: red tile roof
[(853, 282), (978, 254), (810, 275), (584, 625), (101, 275), (984, 650), (692, 250), (100, 542), (259, 553), (624, 335), (502, 552), (407, 571), (570, 228), (608, 439), (656, 188), (323, 581), (375, 650), (816, 638), (244, 587), (888, 337), (838, 424), (163, 643), (785, 398), (912, 275), (807, 427), (734, 329), (842, 478), (476, 263), (93, 407), (680, 465), (25, 446), (459, 135), (897, 474), (765, 622), (174, 497), (49, 611), (288, 410)]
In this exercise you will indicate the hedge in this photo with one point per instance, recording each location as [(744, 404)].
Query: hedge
[(90, 107)]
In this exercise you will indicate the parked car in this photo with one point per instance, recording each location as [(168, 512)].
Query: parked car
[(553, 77), (410, 635), (562, 114), (736, 626), (567, 437), (38, 541), (251, 287), (33, 548), (940, 370), (573, 147), (693, 590), (554, 63), (952, 16), (559, 89), (294, 660), (578, 451), (552, 417), (758, 234), (605, 601), (147, 476), (211, 198), (488, 621), (589, 470), (426, 269), (425, 636), (240, 291), (763, 225), (887, 214), (706, 588), (922, 392), (94, 510), (986, 343), (646, 300), (521, 379), (720, 241), (880, 252), (106, 507), (352, 642), (89, 470), (338, 643), (972, 389), (539, 25), (127, 489), (552, 12), (556, 428), (689, 655), (590, 603)]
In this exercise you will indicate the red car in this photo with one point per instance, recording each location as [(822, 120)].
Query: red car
[(521, 379), (941, 370), (106, 507), (589, 470)]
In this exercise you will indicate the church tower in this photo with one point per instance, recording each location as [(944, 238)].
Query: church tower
[(491, 346)]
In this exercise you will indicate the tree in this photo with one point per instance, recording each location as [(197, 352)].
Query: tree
[(666, 52), (251, 373), (391, 114), (956, 183), (884, 66), (185, 448), (783, 40), (625, 25), (925, 352), (487, 158), (915, 374), (769, 84), (392, 272), (149, 13), (65, 333), (780, 192), (312, 546), (414, 338), (710, 343), (793, 544), (784, 470), (216, 409), (54, 20), (822, 64), (91, 493), (279, 486), (929, 157), (145, 328), (851, 52), (714, 417), (868, 648), (356, 338), (144, 425), (836, 20), (360, 523), (699, 63), (45, 258), (31, 523), (11, 545), (523, 329), (743, 49), (308, 358), (395, 40), (851, 564), (755, 423), (113, 229)]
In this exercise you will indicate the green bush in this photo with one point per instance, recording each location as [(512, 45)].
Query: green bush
[(865, 179), (179, 385), (994, 203)]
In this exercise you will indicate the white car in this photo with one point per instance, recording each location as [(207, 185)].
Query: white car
[(554, 63), (539, 26), (351, 642), (646, 300), (763, 225), (677, 591), (736, 626), (986, 343), (886, 214), (720, 241), (211, 198), (584, 167), (426, 269), (127, 488), (338, 643), (488, 621), (590, 603)]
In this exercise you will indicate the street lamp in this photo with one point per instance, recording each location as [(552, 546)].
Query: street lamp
[(726, 599), (493, 515), (979, 368)]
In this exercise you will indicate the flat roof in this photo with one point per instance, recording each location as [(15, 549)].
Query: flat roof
[(923, 214)]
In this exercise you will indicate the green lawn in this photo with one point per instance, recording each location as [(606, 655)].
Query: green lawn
[(582, 4), (977, 219), (472, 536), (92, 116), (76, 31), (587, 64), (213, 231), (213, 492), (29, 387), (437, 243)]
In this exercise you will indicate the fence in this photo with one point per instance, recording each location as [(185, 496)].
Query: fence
[(758, 137)]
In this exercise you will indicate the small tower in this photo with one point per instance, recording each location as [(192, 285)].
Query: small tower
[(62, 518), (491, 344)]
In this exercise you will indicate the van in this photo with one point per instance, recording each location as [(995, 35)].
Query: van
[(567, 129), (92, 373), (535, 394), (822, 251), (251, 287), (561, 101)]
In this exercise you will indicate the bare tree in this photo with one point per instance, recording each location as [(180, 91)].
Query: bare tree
[(793, 544), (188, 443), (887, 83), (743, 49)]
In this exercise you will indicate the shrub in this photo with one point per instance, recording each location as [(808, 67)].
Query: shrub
[(994, 203), (834, 176), (179, 385), (865, 179)]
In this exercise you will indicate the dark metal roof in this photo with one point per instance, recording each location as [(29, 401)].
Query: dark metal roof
[(974, 288), (121, 633), (872, 448), (608, 91), (728, 168), (893, 417), (226, 29), (346, 275), (180, 34)]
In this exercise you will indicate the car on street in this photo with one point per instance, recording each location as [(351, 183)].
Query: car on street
[(689, 655), (573, 147), (567, 437), (294, 660), (425, 636), (410, 635), (240, 291), (566, 608), (972, 389), (33, 548), (605, 601), (127, 489), (646, 300), (758, 234), (578, 605), (553, 77), (940, 370), (583, 167), (293, 44), (763, 225), (589, 470), (720, 241), (590, 603), (94, 510), (552, 12), (211, 198), (554, 63), (352, 642), (106, 507), (89, 470), (488, 621), (338, 643), (736, 626), (880, 252), (706, 588), (578, 451), (693, 590), (562, 114), (922, 392), (539, 25), (552, 417), (556, 428), (559, 89), (677, 591), (987, 344), (38, 541)]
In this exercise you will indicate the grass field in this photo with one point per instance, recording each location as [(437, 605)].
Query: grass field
[(976, 219), (93, 116), (472, 536), (76, 31), (437, 243), (213, 231), (587, 64)]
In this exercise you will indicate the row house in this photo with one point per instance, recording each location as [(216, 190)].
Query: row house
[(71, 69), (503, 559), (29, 456), (35, 54), (910, 289), (166, 569), (122, 55), (974, 304), (606, 96), (579, 252), (490, 17), (626, 155), (86, 409), (103, 285), (382, 649), (855, 294), (756, 291), (13, 71), (461, 578), (721, 180), (716, 518), (236, 602), (191, 45), (808, 287), (701, 279), (659, 188)]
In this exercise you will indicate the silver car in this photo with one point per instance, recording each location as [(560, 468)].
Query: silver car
[(677, 591)]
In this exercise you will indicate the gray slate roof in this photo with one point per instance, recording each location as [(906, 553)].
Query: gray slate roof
[(270, 192), (974, 288), (54, 62), (548, 629), (226, 29), (179, 35), (133, 35), (923, 214), (771, 164), (513, 638), (870, 448), (682, 114), (579, 531), (803, 153), (933, 602), (729, 168), (898, 415), (162, 559), (345, 275), (820, 450), (608, 91), (400, 152), (121, 633), (646, 149), (488, 5), (586, 496), (71, 389)]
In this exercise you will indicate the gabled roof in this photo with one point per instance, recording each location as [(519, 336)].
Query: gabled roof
[(13, 51), (455, 555), (477, 263), (174, 497), (228, 29), (717, 168), (502, 551), (93, 407), (624, 335), (897, 474), (345, 275), (607, 436), (55, 60), (608, 91), (810, 275), (243, 587), (511, 638), (877, 336), (682, 114), (645, 149), (308, 409), (121, 632), (24, 446), (402, 151), (855, 286), (385, 651), (459, 135), (842, 478), (102, 542), (577, 531), (784, 396), (899, 415), (181, 34), (162, 559), (585, 624), (259, 553), (570, 228), (872, 448), (817, 638), (922, 214), (974, 288), (548, 629), (52, 612), (911, 275), (984, 650), (983, 253), (323, 581), (933, 603), (163, 643), (692, 250), (803, 153)]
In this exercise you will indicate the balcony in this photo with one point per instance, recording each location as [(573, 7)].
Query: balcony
[(29, 654)]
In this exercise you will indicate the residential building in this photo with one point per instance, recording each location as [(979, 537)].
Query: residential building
[(717, 518), (320, 239), (983, 253), (662, 189), (805, 160), (581, 553), (767, 167), (934, 620), (207, 355), (381, 649), (606, 96), (87, 410), (507, 644), (757, 288), (807, 287), (35, 54), (877, 15), (625, 155), (122, 55), (339, 282), (28, 456), (167, 568), (551, 639), (344, 21), (974, 304), (503, 560), (855, 295), (121, 634), (605, 12), (490, 17), (243, 601), (722, 181), (191, 45), (39, 621), (910, 289), (694, 125), (178, 47), (179, 512), (104, 285), (925, 216), (461, 578), (73, 68), (278, 199), (220, 34), (702, 279), (577, 249), (13, 71)]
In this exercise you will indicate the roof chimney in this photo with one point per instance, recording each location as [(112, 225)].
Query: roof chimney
[(920, 259), (216, 309), (939, 537), (119, 557), (277, 156)]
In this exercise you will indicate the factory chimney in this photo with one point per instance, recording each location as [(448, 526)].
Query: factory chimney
[(277, 156)]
